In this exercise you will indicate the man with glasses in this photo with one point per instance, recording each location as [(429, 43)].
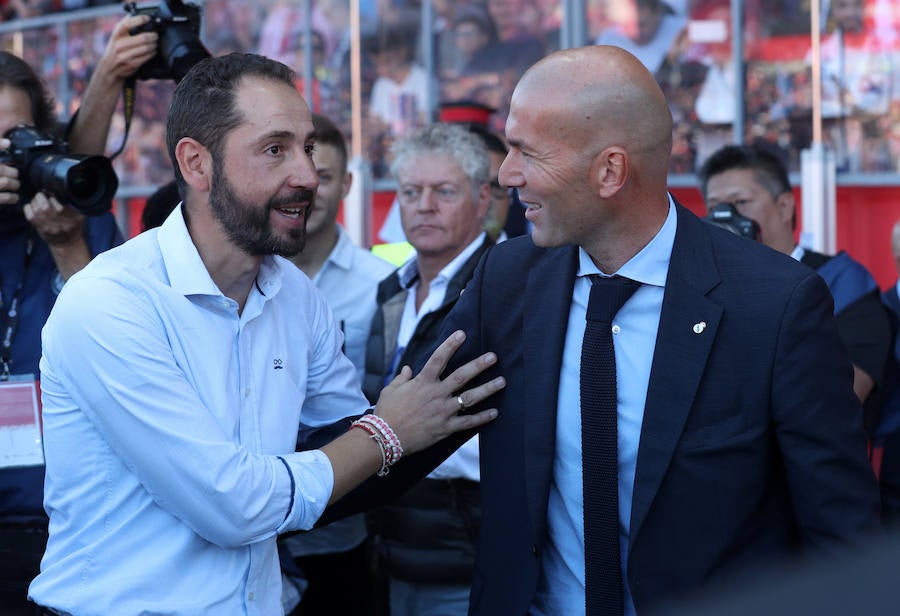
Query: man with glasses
[(756, 182), (443, 190)]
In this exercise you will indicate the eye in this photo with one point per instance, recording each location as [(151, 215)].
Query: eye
[(309, 149), (446, 193), (275, 149), (325, 177), (409, 195)]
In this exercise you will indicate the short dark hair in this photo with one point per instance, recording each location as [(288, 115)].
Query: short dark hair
[(16, 73), (770, 172), (203, 105), (327, 133)]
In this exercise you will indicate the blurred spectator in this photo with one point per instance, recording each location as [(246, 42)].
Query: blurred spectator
[(652, 33), (505, 217), (473, 32), (427, 536), (755, 181), (400, 94), (858, 72)]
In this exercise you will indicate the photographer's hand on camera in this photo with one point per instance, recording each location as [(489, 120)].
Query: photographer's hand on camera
[(62, 228), (9, 181), (125, 53)]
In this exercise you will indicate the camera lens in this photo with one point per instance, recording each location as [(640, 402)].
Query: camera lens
[(83, 183), (87, 183)]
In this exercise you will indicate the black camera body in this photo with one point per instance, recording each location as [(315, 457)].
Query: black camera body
[(85, 182), (725, 215), (179, 47)]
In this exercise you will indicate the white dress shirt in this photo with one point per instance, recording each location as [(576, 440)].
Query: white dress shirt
[(462, 463), (170, 424), (634, 327)]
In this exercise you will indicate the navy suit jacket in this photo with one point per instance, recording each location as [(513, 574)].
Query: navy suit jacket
[(751, 443)]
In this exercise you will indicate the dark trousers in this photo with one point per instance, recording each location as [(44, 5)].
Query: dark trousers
[(21, 550), (339, 583)]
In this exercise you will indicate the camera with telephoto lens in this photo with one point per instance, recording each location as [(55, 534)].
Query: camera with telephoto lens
[(725, 215), (179, 47), (87, 183)]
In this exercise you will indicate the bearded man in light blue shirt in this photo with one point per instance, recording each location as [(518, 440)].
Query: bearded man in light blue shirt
[(178, 369)]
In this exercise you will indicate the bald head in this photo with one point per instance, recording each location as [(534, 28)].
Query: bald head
[(608, 98)]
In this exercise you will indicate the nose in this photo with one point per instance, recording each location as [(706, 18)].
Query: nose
[(510, 174), (304, 175)]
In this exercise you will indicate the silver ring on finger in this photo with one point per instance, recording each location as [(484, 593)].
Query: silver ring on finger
[(462, 405)]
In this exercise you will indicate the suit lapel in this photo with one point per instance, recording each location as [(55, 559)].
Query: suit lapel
[(548, 295), (687, 329)]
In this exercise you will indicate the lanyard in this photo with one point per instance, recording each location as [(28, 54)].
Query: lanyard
[(12, 313)]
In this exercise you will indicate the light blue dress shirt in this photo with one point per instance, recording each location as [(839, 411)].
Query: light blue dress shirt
[(561, 590), (349, 281), (170, 424)]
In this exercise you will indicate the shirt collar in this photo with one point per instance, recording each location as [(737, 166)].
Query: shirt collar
[(409, 271), (650, 266), (798, 252), (186, 270), (342, 253)]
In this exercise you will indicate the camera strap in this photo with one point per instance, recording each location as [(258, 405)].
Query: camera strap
[(128, 101), (12, 312)]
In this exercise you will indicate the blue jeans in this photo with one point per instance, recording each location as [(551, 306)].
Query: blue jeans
[(410, 599)]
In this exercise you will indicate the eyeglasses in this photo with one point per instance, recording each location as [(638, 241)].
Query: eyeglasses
[(447, 194), (499, 191)]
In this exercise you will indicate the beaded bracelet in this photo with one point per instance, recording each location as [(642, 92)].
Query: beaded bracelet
[(387, 440)]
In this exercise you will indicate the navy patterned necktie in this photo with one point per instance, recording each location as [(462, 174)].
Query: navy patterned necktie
[(599, 448)]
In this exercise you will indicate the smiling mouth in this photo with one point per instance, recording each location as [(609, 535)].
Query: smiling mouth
[(293, 212)]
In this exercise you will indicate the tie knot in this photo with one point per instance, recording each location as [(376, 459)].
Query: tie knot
[(608, 295)]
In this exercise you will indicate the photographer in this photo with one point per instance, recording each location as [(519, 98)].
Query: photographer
[(755, 181), (42, 243)]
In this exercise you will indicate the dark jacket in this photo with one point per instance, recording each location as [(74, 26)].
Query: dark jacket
[(428, 534), (751, 445)]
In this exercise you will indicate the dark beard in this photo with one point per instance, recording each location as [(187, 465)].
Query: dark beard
[(247, 225)]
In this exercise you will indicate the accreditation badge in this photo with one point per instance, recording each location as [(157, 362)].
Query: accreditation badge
[(20, 422)]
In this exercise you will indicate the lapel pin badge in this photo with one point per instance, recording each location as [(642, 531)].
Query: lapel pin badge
[(699, 327)]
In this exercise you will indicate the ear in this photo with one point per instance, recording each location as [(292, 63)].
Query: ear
[(610, 171), (786, 207), (348, 182), (195, 164)]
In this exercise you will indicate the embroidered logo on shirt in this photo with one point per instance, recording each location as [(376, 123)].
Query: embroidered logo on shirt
[(277, 364)]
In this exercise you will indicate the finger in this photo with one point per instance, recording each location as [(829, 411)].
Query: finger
[(475, 395), (468, 422), (469, 370), (403, 376), (131, 22), (441, 356)]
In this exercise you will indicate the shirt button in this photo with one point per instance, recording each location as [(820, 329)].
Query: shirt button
[(250, 597), (616, 329), (246, 392)]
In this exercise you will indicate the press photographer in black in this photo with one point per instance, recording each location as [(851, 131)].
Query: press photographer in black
[(43, 241)]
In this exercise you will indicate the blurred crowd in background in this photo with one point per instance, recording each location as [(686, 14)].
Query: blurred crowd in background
[(479, 48)]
